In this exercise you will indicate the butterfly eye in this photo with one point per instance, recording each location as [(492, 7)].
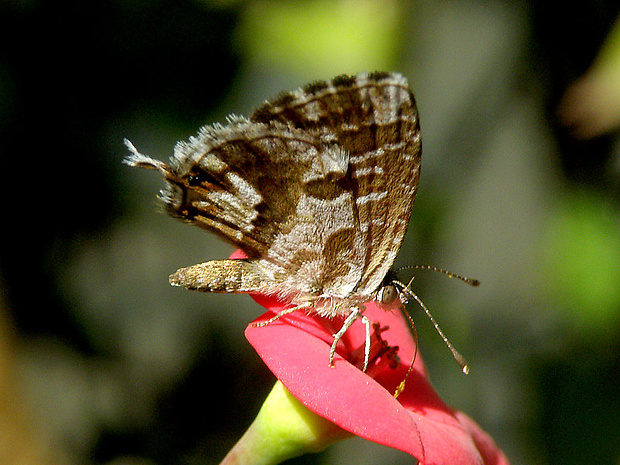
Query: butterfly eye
[(388, 294), (194, 179), (206, 180)]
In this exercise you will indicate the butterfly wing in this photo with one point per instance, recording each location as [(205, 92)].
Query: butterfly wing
[(374, 118), (317, 186)]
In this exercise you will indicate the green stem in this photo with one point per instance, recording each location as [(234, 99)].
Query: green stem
[(284, 428)]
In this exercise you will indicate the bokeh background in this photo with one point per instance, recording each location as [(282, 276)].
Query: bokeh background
[(102, 362)]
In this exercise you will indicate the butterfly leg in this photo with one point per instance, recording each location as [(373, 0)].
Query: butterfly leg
[(281, 314), (366, 322), (354, 315)]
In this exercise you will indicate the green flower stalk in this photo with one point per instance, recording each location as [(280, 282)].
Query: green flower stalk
[(283, 429)]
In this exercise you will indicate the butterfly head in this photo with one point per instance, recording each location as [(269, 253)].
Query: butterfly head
[(391, 295)]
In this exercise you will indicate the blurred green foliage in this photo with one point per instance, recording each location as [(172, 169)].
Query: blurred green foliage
[(581, 266), (322, 37)]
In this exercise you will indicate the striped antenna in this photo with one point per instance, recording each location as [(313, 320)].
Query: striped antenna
[(408, 293), (470, 281)]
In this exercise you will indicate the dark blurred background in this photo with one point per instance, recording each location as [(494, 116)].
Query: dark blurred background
[(102, 362)]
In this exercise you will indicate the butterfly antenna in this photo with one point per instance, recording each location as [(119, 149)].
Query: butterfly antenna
[(401, 386), (455, 353), (470, 281)]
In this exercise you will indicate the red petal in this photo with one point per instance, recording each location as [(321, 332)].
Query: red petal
[(296, 349)]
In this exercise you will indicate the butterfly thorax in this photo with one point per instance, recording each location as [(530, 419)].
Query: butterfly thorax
[(338, 300)]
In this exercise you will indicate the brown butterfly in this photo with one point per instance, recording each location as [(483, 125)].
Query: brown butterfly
[(316, 188)]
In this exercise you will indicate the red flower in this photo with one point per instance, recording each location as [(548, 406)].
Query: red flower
[(296, 349)]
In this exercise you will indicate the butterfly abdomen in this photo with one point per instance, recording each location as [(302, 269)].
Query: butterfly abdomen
[(235, 276)]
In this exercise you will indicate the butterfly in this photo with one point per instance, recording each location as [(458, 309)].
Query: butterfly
[(316, 188)]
